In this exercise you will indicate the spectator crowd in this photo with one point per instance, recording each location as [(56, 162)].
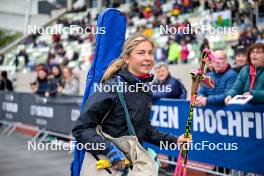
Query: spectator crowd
[(55, 81), (56, 75)]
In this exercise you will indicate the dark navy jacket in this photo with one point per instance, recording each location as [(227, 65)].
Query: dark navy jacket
[(99, 103), (42, 86), (223, 83), (177, 89)]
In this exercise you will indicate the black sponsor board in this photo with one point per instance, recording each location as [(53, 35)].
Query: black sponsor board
[(10, 106), (54, 114)]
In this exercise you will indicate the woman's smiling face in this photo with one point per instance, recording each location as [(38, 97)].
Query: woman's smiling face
[(141, 59), (257, 57)]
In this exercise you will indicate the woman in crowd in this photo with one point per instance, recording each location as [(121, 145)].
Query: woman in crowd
[(70, 85), (240, 58), (184, 51), (54, 80), (250, 80), (40, 86)]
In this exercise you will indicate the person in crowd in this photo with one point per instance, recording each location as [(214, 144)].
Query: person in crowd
[(40, 86), (79, 6), (70, 85), (58, 47), (260, 38), (56, 73), (22, 53), (5, 83), (204, 45), (169, 87), (56, 37), (54, 80), (210, 67), (133, 67), (174, 52), (42, 44), (160, 54), (31, 39), (250, 80), (246, 38), (184, 51), (2, 59), (240, 58), (255, 32), (51, 57), (224, 78)]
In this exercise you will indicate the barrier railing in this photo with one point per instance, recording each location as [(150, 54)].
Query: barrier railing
[(227, 136), (53, 114), (232, 135)]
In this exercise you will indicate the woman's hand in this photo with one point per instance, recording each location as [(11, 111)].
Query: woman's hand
[(181, 139), (246, 94), (34, 87), (200, 101), (119, 165), (60, 89), (116, 157), (47, 94), (227, 99), (197, 101)]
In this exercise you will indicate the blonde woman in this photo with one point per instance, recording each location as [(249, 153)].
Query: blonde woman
[(133, 67)]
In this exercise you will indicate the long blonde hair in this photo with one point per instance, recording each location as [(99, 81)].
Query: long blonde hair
[(130, 43)]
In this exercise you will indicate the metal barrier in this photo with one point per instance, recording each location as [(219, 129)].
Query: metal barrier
[(56, 117), (42, 134), (189, 166), (208, 171), (6, 126)]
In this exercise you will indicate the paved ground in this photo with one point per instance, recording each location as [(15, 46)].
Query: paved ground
[(17, 160)]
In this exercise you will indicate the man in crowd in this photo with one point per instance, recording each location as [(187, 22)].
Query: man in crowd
[(224, 78), (173, 52), (167, 86), (5, 83)]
